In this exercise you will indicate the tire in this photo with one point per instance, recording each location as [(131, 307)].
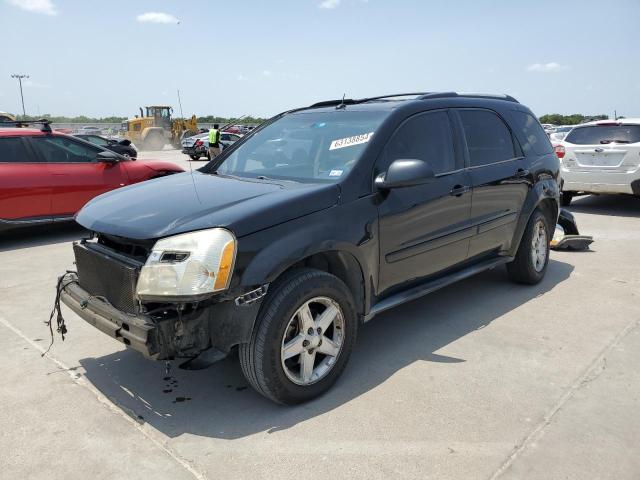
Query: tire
[(155, 142), (279, 323), (565, 198), (194, 157), (524, 269)]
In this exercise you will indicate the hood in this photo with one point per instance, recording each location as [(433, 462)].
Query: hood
[(160, 166), (194, 201)]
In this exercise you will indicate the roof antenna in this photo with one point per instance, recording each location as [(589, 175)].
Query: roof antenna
[(341, 105)]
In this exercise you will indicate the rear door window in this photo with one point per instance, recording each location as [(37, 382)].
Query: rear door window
[(13, 150), (488, 138), (604, 134), (532, 136), (425, 137)]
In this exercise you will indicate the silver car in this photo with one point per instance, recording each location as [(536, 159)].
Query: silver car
[(198, 145)]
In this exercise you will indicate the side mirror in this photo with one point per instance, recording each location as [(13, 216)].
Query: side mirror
[(405, 173), (107, 157), (124, 142)]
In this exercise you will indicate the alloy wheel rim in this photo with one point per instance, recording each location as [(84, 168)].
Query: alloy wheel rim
[(539, 246), (312, 341)]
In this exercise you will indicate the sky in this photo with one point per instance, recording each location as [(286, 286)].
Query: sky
[(231, 58)]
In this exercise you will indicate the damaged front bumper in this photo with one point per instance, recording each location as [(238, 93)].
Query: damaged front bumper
[(136, 331), (173, 331), (566, 235)]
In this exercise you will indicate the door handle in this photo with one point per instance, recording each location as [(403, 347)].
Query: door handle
[(521, 173), (459, 190)]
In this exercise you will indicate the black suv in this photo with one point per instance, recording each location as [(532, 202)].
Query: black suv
[(311, 225)]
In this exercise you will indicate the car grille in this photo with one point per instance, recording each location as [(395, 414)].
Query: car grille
[(107, 274)]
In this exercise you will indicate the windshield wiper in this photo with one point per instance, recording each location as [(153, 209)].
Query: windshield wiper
[(269, 179)]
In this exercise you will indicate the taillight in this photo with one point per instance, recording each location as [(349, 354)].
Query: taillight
[(560, 151), (198, 143)]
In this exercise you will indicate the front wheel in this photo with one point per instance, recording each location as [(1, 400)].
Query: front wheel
[(532, 258), (194, 157), (303, 337), (154, 142)]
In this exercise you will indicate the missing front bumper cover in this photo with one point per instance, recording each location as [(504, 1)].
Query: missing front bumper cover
[(169, 334), (136, 331)]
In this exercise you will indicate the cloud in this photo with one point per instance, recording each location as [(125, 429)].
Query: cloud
[(156, 17), (266, 73), (241, 78), (329, 4), (45, 7), (547, 67)]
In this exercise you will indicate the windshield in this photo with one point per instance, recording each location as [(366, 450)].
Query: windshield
[(603, 134), (304, 147)]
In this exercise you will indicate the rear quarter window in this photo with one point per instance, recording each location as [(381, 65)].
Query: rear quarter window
[(531, 134), (604, 134)]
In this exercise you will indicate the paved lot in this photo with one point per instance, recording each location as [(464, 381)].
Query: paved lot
[(484, 379)]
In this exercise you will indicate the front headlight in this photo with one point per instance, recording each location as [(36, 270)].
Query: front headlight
[(189, 265)]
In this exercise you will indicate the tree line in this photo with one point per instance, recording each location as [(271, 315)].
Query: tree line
[(575, 119), (114, 119)]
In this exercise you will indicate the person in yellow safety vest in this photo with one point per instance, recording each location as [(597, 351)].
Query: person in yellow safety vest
[(214, 142)]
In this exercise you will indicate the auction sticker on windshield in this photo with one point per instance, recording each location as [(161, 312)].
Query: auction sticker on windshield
[(350, 141)]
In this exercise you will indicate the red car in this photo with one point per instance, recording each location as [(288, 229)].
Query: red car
[(48, 176)]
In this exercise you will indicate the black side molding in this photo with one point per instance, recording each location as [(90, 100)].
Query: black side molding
[(433, 285)]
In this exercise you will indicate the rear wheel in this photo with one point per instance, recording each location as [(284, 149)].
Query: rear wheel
[(532, 258), (303, 337)]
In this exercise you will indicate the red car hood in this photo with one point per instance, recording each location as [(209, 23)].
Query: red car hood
[(161, 166)]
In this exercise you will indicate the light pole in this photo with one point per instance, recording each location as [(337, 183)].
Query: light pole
[(20, 77)]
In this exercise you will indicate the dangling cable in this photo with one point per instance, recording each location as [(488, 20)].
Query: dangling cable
[(57, 312)]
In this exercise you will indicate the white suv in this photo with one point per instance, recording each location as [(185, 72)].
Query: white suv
[(601, 157)]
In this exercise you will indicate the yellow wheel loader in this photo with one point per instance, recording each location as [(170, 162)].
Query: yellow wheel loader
[(155, 129), (7, 117)]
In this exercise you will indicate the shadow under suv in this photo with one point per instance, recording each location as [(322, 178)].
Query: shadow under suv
[(311, 225)]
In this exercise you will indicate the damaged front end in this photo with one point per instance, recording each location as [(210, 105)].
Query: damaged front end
[(105, 292)]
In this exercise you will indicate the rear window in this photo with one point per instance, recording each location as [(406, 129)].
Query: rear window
[(12, 150), (532, 135), (603, 134)]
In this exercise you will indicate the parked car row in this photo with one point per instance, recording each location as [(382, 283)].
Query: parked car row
[(197, 146), (559, 133), (123, 147), (47, 176)]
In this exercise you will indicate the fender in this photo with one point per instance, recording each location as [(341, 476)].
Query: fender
[(281, 247), (545, 189)]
